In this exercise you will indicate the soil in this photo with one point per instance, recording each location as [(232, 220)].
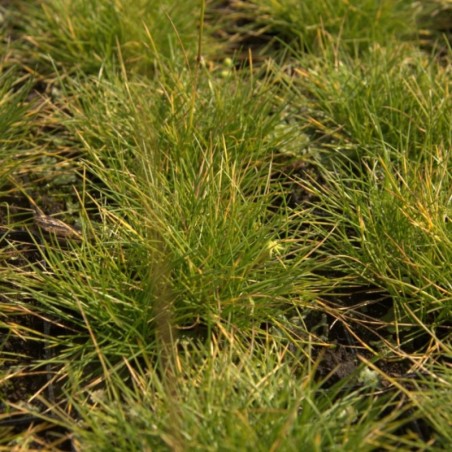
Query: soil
[(20, 248)]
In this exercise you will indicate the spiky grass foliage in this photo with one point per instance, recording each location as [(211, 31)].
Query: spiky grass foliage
[(187, 218), (408, 114), (404, 207), (13, 113), (310, 25), (386, 195), (234, 395), (394, 173), (181, 317), (87, 34), (189, 239), (434, 392)]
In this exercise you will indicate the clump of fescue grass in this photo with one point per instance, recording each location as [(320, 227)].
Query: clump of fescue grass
[(310, 25), (13, 113), (408, 114), (392, 230), (231, 394), (88, 35), (391, 185), (187, 213)]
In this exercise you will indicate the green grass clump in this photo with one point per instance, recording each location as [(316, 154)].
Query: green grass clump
[(408, 114), (188, 224), (87, 35), (386, 115), (311, 25), (404, 207), (235, 396), (13, 114)]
